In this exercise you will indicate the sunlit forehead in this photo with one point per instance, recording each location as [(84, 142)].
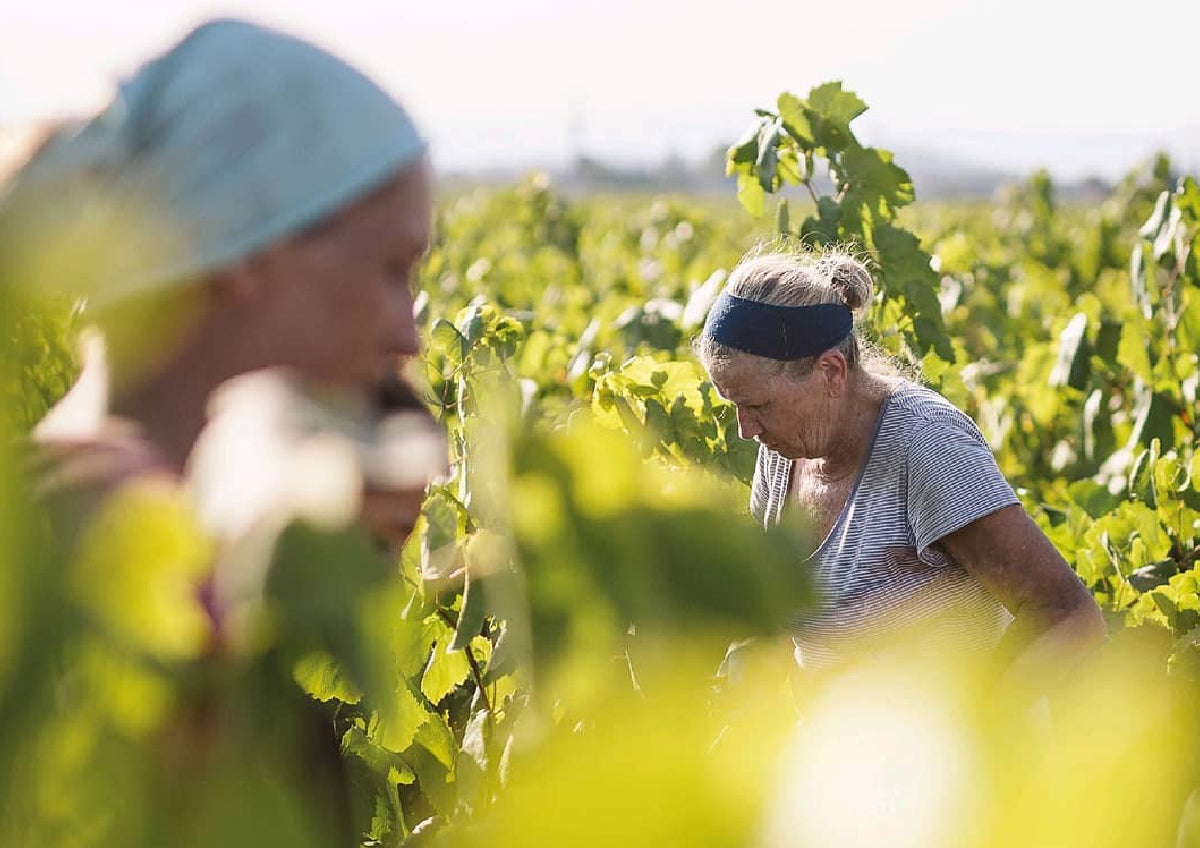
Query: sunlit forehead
[(744, 381)]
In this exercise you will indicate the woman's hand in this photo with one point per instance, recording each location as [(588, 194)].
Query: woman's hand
[(97, 465)]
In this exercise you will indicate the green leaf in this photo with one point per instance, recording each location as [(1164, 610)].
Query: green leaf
[(795, 121), (791, 167), (474, 321), (1132, 352), (473, 612), (934, 367), (1094, 499), (825, 228), (401, 774), (446, 671), (436, 737), (1070, 366), (767, 163), (382, 821), (875, 180), (656, 417), (831, 109), (1141, 483), (442, 516), (475, 740), (504, 657), (318, 674), (745, 152), (318, 585), (137, 568), (1108, 340), (750, 194), (836, 104), (1133, 534), (782, 224), (356, 743), (905, 269), (1187, 198), (412, 642), (1155, 413), (395, 728), (447, 340), (1170, 476), (1098, 437)]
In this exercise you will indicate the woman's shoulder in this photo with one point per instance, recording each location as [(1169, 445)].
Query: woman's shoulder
[(915, 402), (921, 414)]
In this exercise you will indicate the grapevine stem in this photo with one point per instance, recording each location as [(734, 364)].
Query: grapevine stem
[(812, 193), (476, 672), (489, 715)]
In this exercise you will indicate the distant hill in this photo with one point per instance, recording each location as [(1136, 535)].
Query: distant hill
[(936, 175)]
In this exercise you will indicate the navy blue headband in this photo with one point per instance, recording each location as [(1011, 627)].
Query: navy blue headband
[(777, 332)]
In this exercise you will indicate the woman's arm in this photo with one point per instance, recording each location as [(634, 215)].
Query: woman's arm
[(1015, 561)]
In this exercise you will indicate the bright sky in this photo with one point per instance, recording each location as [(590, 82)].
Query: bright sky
[(1078, 85)]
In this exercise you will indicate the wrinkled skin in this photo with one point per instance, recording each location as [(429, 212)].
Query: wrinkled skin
[(798, 417)]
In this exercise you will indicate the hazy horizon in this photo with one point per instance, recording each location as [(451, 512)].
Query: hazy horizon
[(1005, 84)]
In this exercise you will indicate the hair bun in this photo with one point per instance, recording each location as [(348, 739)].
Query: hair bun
[(848, 277)]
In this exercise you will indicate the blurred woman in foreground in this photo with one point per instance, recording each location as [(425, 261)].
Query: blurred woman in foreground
[(917, 528), (247, 202)]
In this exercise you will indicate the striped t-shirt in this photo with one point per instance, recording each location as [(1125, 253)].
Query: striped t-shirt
[(928, 472)]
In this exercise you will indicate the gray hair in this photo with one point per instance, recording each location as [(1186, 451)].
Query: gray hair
[(798, 278)]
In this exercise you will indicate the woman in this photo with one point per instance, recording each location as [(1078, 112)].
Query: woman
[(917, 526), (247, 202)]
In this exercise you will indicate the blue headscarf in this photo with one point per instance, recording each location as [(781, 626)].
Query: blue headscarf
[(235, 138)]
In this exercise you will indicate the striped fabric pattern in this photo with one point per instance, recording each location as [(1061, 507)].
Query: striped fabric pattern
[(880, 570)]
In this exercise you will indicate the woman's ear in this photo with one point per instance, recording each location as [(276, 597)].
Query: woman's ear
[(834, 370)]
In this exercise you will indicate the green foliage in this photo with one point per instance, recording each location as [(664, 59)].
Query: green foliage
[(565, 546), (39, 338), (546, 639), (810, 137)]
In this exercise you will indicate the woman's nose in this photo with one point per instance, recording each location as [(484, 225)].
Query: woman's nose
[(401, 326), (748, 427)]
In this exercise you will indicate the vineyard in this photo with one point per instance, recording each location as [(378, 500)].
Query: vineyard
[(584, 640)]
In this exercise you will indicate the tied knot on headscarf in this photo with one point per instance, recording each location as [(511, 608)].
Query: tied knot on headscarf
[(235, 138), (784, 333)]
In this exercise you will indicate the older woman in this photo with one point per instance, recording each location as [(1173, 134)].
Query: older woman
[(915, 525)]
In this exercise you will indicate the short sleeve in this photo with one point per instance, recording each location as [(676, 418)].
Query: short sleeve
[(953, 480)]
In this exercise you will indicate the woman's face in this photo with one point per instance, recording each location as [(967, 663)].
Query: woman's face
[(336, 304), (794, 416)]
